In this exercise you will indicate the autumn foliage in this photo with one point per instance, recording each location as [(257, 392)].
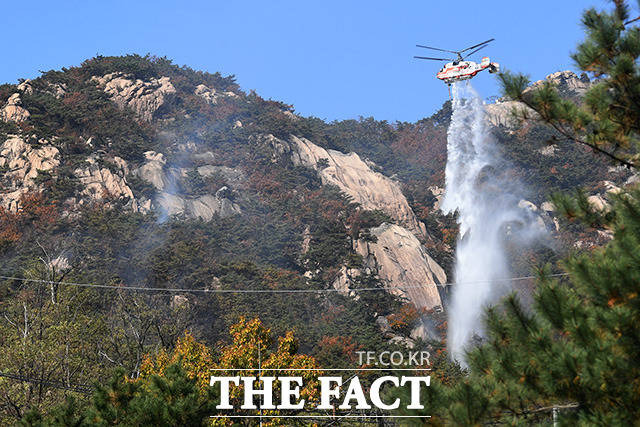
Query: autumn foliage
[(250, 351), (405, 318), (33, 213), (193, 356)]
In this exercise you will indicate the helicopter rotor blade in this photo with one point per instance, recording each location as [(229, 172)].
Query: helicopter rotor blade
[(474, 46), (435, 48), (433, 59), (471, 53)]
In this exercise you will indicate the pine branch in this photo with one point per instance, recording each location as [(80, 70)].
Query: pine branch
[(573, 138)]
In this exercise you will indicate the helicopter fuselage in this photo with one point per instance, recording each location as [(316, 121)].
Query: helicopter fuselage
[(464, 70)]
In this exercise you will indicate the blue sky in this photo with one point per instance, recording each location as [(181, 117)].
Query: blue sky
[(330, 59)]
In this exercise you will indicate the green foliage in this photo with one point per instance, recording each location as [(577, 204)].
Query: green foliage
[(140, 187), (48, 336), (86, 110), (608, 119), (576, 351), (168, 400)]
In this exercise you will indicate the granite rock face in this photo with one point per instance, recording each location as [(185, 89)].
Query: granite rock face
[(21, 163), (211, 96), (204, 207), (143, 97), (372, 190), (169, 201), (568, 83), (102, 183), (402, 262)]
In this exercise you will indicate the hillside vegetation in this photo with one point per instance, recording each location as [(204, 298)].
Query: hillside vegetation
[(135, 172)]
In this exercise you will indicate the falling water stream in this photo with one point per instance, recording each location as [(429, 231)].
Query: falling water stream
[(486, 204)]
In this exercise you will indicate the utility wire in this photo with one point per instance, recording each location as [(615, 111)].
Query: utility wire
[(79, 388), (268, 291)]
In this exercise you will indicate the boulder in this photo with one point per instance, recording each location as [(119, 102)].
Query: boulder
[(211, 96), (547, 207), (549, 150), (206, 93), (25, 87), (178, 301), (610, 189), (438, 193), (204, 207), (598, 202)]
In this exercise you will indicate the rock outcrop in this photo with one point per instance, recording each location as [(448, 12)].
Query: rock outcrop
[(99, 183), (204, 207), (12, 111), (354, 177), (402, 264), (568, 84), (234, 178), (21, 163), (210, 95), (152, 170), (548, 150), (143, 97), (501, 113), (535, 215), (438, 193), (168, 201)]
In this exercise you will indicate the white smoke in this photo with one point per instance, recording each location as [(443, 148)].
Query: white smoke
[(487, 207)]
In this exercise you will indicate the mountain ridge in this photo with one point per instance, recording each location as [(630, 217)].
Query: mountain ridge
[(178, 149)]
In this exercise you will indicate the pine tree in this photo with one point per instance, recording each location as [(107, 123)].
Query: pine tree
[(608, 120), (575, 355), (171, 399)]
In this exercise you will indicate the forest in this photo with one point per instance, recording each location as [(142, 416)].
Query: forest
[(113, 307)]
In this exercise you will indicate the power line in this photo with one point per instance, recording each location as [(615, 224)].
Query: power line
[(78, 388), (268, 291)]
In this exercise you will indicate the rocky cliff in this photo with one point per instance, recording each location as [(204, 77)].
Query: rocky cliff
[(169, 200), (354, 177), (21, 162), (396, 255), (402, 263)]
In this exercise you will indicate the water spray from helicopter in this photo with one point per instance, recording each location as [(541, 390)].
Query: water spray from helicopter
[(486, 203)]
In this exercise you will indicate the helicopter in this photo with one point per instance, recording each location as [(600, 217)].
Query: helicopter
[(458, 69)]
